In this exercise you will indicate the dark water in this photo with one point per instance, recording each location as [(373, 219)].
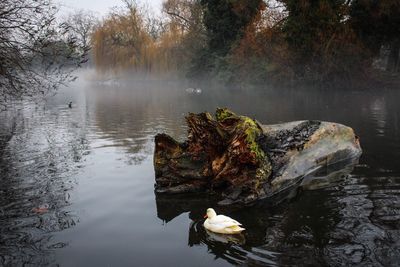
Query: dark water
[(76, 185)]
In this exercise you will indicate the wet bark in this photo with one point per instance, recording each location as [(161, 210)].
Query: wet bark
[(221, 154), (242, 160)]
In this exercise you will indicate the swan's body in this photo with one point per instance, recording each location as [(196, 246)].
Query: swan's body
[(221, 224)]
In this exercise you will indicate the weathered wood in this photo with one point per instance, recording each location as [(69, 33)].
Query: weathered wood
[(241, 160)]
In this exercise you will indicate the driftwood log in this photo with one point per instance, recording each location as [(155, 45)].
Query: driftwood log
[(242, 161)]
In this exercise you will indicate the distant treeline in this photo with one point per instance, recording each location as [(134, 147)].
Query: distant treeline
[(254, 40)]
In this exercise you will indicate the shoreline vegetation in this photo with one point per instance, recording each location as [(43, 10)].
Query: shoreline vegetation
[(236, 43), (321, 43)]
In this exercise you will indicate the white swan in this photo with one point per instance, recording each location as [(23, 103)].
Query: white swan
[(221, 224)]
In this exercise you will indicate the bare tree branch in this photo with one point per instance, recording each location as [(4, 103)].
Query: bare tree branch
[(36, 54)]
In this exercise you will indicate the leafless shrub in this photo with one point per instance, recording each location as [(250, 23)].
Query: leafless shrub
[(36, 54)]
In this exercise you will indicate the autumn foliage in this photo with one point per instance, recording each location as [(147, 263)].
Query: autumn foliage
[(324, 41)]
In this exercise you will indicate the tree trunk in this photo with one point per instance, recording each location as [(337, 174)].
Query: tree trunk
[(241, 160), (221, 154), (393, 60)]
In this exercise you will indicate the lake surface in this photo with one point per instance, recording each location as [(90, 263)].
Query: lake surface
[(76, 185)]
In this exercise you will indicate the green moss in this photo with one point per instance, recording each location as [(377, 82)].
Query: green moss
[(251, 130), (224, 113)]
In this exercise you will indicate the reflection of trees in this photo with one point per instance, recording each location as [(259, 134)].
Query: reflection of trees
[(7, 128), (37, 55), (130, 117), (36, 169), (318, 227)]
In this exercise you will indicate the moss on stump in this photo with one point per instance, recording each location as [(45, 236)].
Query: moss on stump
[(222, 154)]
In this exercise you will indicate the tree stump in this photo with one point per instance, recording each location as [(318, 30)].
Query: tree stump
[(241, 160)]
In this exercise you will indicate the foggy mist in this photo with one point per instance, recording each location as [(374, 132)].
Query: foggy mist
[(85, 92)]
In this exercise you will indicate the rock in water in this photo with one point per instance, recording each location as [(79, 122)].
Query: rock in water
[(242, 160)]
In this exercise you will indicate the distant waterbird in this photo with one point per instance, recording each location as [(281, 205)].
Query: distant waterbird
[(70, 104), (191, 90)]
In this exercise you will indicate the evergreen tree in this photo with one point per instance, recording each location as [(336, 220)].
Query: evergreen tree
[(308, 29), (225, 22), (377, 23)]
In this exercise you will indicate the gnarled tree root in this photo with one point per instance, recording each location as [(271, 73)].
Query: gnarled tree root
[(242, 160)]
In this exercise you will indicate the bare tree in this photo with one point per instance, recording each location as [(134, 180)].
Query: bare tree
[(36, 54), (82, 24), (186, 13)]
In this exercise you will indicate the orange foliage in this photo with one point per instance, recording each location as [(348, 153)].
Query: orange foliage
[(261, 54), (122, 42)]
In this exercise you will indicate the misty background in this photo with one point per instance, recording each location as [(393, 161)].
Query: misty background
[(326, 43), (86, 85), (101, 7)]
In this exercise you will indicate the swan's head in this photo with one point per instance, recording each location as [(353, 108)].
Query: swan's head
[(210, 213)]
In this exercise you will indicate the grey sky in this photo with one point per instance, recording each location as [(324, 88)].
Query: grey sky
[(101, 6)]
